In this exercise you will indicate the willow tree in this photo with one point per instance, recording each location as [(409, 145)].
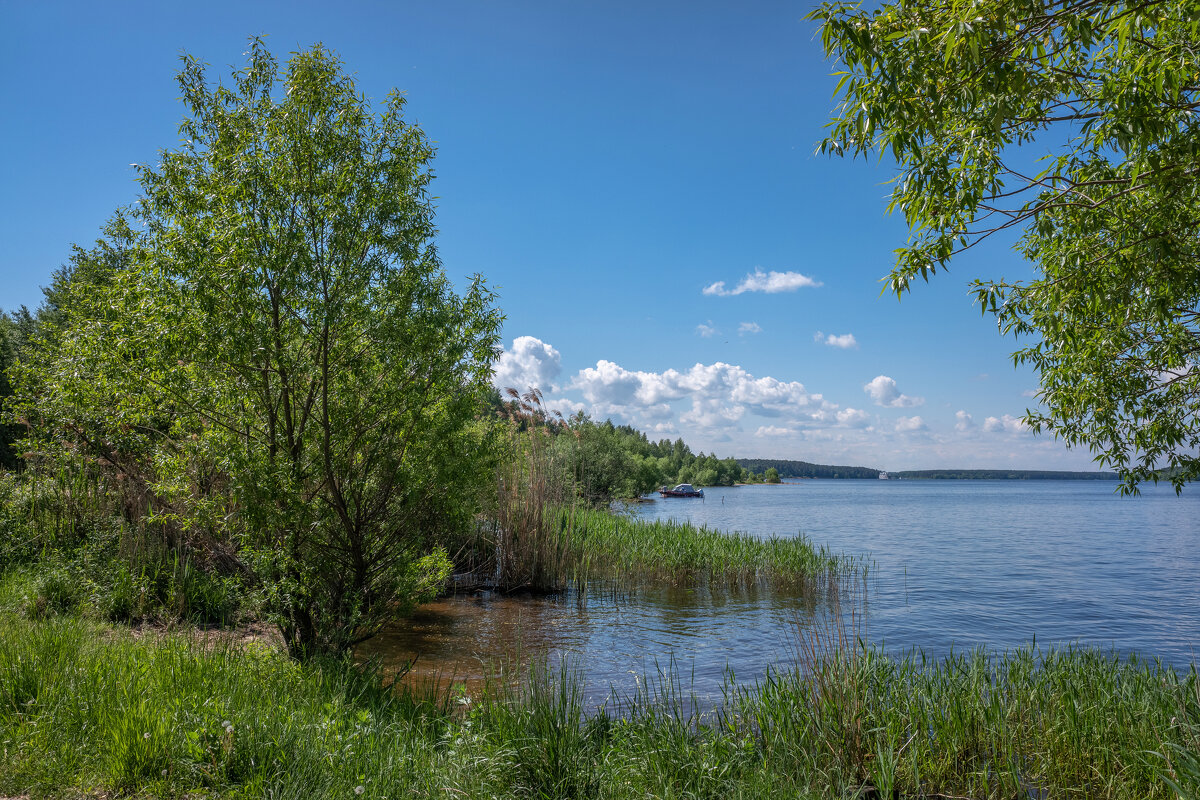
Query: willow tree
[(281, 359), (1075, 126)]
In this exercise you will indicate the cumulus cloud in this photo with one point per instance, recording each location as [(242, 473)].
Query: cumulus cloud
[(721, 393), (853, 418), (767, 282), (965, 421), (910, 425), (749, 327), (845, 341), (1005, 424), (712, 412), (772, 431), (883, 391), (706, 330), (563, 405), (529, 362)]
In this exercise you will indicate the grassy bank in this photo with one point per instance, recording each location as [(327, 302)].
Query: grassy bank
[(86, 707)]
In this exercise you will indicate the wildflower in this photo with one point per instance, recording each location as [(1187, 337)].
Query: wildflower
[(163, 773), (359, 789), (146, 735), (228, 726)]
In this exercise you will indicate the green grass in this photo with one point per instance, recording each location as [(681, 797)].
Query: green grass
[(1059, 723), (86, 707), (607, 545)]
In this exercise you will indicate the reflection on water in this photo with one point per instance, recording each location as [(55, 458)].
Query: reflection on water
[(616, 638), (956, 565)]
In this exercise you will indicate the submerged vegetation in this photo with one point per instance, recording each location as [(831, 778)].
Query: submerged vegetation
[(84, 707)]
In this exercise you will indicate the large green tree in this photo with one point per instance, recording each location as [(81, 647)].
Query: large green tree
[(274, 357), (1073, 125)]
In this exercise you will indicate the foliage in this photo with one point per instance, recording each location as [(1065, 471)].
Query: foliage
[(965, 97), (12, 339), (608, 461), (273, 363), (804, 469)]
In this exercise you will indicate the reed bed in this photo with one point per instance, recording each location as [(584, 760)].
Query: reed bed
[(87, 709), (607, 545)]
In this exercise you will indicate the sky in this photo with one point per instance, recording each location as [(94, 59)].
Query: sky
[(638, 181)]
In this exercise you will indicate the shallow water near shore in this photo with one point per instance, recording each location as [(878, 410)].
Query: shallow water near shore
[(956, 565)]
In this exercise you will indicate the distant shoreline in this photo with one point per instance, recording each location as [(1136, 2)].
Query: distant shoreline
[(1003, 475), (808, 471)]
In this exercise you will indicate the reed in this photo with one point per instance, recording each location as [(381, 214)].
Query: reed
[(87, 708), (519, 545), (607, 545)]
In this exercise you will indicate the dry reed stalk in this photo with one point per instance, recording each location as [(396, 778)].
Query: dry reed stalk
[(531, 545)]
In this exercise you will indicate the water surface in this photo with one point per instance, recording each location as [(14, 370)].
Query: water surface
[(956, 565)]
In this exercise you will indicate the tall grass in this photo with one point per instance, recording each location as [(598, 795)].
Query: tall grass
[(86, 708), (521, 547), (615, 546), (1059, 723)]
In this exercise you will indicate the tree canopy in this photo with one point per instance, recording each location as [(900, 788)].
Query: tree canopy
[(1073, 125), (265, 350)]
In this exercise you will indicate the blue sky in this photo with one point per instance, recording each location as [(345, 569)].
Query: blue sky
[(638, 180)]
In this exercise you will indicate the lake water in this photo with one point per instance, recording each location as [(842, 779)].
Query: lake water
[(956, 565)]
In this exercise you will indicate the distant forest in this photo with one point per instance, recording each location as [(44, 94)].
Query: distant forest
[(1003, 475), (803, 469)]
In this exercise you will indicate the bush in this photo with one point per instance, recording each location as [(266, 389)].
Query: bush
[(56, 591), (18, 543)]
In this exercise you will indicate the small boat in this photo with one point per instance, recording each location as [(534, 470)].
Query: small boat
[(682, 490)]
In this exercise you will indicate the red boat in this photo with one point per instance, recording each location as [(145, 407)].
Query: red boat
[(682, 490)]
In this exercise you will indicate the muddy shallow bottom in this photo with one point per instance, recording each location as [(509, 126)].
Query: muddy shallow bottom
[(616, 640)]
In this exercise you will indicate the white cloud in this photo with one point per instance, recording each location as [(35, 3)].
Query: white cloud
[(910, 425), (965, 421), (707, 331), (1030, 393), (767, 282), (749, 327), (529, 362), (1005, 424), (845, 341), (883, 391), (721, 393), (853, 418), (772, 431), (723, 408), (712, 412), (562, 405)]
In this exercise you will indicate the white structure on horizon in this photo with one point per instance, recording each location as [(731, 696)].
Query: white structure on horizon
[(883, 476)]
